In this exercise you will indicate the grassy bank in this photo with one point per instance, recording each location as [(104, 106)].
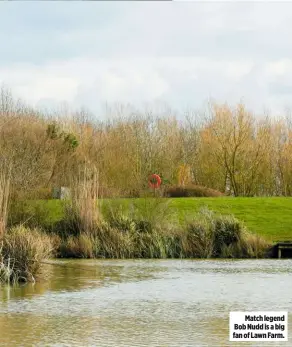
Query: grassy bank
[(270, 218), (140, 228), (207, 235)]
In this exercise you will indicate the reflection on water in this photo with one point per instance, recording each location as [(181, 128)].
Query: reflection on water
[(141, 302)]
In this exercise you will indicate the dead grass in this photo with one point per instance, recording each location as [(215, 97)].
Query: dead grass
[(22, 251)]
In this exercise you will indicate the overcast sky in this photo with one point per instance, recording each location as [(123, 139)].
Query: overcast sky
[(181, 53)]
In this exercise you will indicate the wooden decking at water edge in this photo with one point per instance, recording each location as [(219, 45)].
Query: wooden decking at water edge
[(283, 249)]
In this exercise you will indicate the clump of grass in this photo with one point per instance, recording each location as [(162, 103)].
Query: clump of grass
[(21, 254), (213, 235), (81, 246), (160, 243), (253, 246), (112, 242), (227, 231), (123, 222), (199, 240)]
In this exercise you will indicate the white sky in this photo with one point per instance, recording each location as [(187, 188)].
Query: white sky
[(181, 53)]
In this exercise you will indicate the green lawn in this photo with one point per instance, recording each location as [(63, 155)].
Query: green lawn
[(269, 217)]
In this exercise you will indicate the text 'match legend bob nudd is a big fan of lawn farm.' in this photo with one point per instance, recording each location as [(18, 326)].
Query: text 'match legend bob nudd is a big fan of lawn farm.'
[(258, 326)]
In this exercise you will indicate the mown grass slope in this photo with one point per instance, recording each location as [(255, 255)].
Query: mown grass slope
[(268, 217)]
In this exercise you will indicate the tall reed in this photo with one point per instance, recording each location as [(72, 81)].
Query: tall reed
[(5, 179), (82, 213)]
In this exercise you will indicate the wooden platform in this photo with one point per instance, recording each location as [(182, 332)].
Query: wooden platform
[(284, 248)]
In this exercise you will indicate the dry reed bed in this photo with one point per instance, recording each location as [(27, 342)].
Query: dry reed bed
[(22, 251)]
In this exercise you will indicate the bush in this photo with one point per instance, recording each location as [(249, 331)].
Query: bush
[(191, 191), (21, 254)]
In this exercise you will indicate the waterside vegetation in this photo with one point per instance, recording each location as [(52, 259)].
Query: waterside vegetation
[(111, 213)]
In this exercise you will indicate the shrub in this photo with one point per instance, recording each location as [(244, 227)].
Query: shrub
[(21, 254), (191, 191)]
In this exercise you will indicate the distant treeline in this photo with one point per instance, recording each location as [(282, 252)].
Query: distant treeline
[(225, 148)]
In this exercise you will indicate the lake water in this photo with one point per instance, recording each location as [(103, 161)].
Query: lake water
[(142, 302)]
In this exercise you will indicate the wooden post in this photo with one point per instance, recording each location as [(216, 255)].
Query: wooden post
[(279, 252)]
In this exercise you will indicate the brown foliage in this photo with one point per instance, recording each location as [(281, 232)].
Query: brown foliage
[(232, 150), (191, 191)]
